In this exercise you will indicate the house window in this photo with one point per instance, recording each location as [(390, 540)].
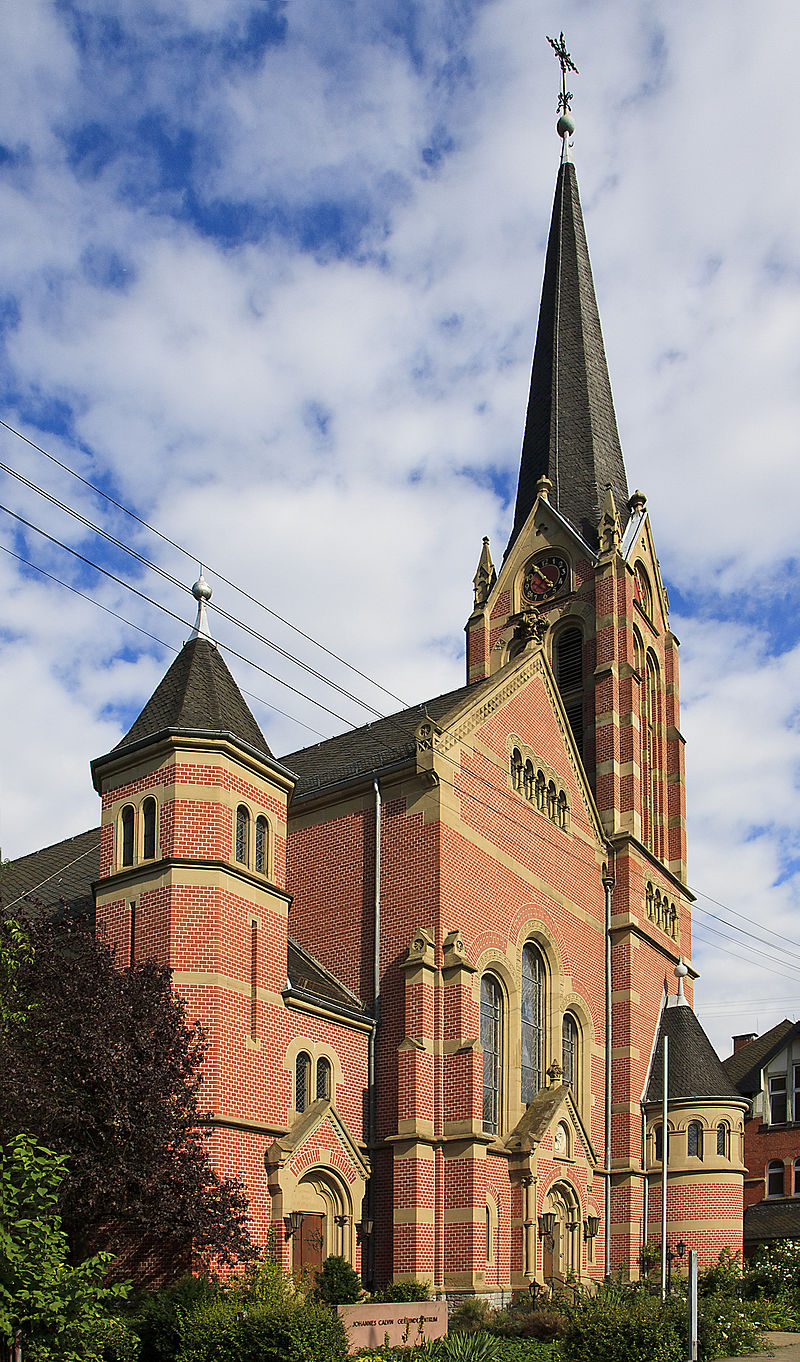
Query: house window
[(242, 834), (128, 819), (262, 844), (492, 1043), (777, 1100), (569, 1049), (149, 820), (723, 1139), (302, 1081), (775, 1178), (796, 1094), (532, 1022), (694, 1140), (796, 1178), (324, 1078)]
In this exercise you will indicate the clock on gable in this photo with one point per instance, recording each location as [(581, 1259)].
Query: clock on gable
[(544, 577)]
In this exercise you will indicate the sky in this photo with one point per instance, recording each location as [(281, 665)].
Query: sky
[(269, 279)]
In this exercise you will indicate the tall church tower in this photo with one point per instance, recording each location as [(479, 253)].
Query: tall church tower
[(581, 569)]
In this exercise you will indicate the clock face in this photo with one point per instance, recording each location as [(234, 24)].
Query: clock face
[(544, 577)]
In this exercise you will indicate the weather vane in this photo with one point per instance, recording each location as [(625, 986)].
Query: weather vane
[(567, 64)]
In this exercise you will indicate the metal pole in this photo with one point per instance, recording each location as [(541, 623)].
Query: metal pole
[(664, 1162), (376, 1013), (692, 1305), (608, 885)]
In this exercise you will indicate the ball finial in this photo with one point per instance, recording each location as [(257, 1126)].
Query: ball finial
[(201, 589), (681, 970), (565, 126)]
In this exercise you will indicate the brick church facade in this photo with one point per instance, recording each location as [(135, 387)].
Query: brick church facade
[(430, 954)]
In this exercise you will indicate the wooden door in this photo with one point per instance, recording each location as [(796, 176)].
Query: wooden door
[(307, 1246)]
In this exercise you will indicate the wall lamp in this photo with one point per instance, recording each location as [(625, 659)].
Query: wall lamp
[(364, 1230), (590, 1226), (547, 1223), (292, 1223)]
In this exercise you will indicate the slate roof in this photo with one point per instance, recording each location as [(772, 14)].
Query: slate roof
[(199, 695), (695, 1069), (772, 1220), (56, 875), (307, 974), (380, 744), (744, 1067), (571, 428)]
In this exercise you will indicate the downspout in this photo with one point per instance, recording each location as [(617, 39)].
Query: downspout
[(376, 1013), (646, 1180), (608, 886)]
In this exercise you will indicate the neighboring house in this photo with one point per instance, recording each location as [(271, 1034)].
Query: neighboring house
[(396, 939), (766, 1070)]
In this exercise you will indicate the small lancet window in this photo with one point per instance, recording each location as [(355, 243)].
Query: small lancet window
[(723, 1140), (149, 835), (302, 1081), (659, 1143), (128, 819), (569, 1049), (694, 1140), (562, 810), (528, 780), (242, 834), (262, 843), (541, 791), (324, 1078), (516, 769), (552, 807)]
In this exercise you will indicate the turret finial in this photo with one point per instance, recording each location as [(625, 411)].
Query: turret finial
[(565, 126), (681, 971), (202, 593)]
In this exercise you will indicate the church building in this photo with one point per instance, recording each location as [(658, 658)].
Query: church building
[(435, 957)]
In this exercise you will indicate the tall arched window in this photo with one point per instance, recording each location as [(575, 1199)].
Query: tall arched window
[(568, 667), (516, 769), (492, 1043), (532, 1022), (723, 1140), (242, 834), (775, 1178), (302, 1081), (323, 1078), (569, 1049), (149, 835), (694, 1140), (262, 844), (128, 819)]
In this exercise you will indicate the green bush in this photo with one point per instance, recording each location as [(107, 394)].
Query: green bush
[(471, 1316), (724, 1279), (467, 1348), (726, 1328), (773, 1270), (609, 1326), (523, 1322), (157, 1317), (298, 1331), (337, 1282), (400, 1292)]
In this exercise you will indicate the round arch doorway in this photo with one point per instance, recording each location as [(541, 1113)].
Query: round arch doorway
[(561, 1252), (327, 1223)]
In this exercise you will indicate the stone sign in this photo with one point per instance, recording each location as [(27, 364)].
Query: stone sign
[(410, 1323)]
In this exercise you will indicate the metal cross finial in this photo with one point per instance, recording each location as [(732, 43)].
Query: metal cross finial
[(567, 64)]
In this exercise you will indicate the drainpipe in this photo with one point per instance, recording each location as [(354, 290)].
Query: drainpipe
[(646, 1180), (608, 886), (376, 1012)]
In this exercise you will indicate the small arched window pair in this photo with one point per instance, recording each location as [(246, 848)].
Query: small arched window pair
[(242, 845), (128, 823), (302, 1080)]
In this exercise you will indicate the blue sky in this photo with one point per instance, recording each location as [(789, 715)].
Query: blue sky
[(270, 279)]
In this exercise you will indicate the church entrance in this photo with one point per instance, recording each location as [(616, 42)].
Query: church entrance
[(308, 1244)]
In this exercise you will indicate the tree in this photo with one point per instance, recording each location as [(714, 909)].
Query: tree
[(104, 1068), (61, 1311)]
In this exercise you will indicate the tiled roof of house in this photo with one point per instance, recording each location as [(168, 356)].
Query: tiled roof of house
[(695, 1069), (197, 694), (571, 428), (744, 1067), (767, 1220), (60, 874)]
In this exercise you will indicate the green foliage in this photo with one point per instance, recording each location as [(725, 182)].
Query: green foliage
[(467, 1348), (61, 1312), (724, 1278), (609, 1326), (523, 1322), (773, 1270), (401, 1292), (298, 1331), (524, 1350), (471, 1316), (16, 953), (337, 1282), (157, 1317), (725, 1328)]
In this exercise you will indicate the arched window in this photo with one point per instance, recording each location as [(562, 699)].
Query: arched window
[(796, 1179), (694, 1140), (552, 803), (775, 1178), (562, 810), (723, 1140), (128, 819), (492, 1043), (149, 821), (242, 834), (568, 667), (659, 1142), (302, 1081), (532, 1022), (324, 1078), (541, 791), (528, 780), (262, 844), (516, 769), (569, 1049)]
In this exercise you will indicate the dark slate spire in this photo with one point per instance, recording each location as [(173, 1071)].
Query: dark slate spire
[(695, 1069), (571, 430), (197, 695)]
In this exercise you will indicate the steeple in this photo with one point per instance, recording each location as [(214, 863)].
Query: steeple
[(571, 430)]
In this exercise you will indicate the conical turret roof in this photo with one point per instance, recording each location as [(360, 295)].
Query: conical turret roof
[(571, 429), (197, 695), (695, 1071)]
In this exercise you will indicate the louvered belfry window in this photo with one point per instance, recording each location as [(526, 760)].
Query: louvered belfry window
[(569, 679)]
